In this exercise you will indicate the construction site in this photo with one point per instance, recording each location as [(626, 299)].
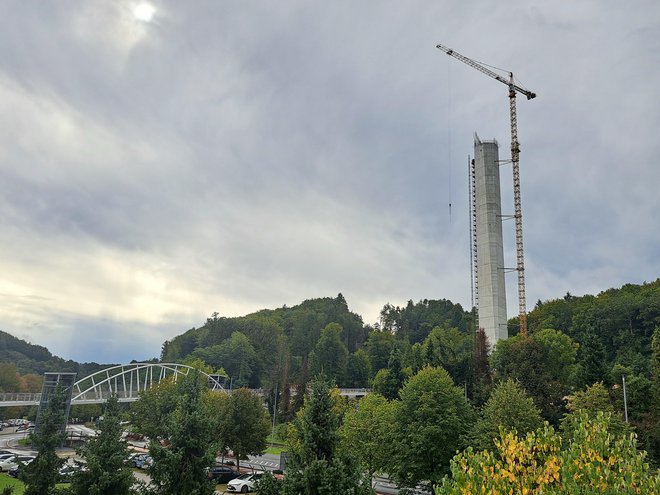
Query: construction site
[(487, 263)]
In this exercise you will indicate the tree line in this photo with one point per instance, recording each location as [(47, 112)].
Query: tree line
[(574, 342), (429, 435)]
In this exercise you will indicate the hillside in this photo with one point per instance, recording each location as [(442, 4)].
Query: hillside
[(36, 359)]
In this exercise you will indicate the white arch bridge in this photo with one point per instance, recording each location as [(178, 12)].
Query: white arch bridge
[(126, 381)]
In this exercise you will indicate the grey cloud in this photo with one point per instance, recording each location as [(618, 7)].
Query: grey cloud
[(229, 157)]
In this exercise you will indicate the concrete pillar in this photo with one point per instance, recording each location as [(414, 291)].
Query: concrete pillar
[(490, 251)]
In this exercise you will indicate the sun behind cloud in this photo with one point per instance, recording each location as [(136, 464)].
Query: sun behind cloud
[(144, 12)]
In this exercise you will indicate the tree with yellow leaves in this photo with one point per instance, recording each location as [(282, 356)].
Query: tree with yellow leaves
[(589, 461)]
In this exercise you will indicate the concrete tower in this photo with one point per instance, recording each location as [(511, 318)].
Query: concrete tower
[(488, 238)]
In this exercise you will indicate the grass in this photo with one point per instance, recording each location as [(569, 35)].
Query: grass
[(6, 480), (275, 449), (275, 445), (17, 485)]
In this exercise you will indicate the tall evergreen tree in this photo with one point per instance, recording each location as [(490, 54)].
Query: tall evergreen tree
[(331, 355), (186, 446), (389, 381), (592, 360), (106, 473), (316, 467), (358, 369), (40, 476)]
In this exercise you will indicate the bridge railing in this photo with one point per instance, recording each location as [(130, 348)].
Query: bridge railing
[(20, 397)]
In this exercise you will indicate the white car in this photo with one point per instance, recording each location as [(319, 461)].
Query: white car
[(244, 483), (13, 461)]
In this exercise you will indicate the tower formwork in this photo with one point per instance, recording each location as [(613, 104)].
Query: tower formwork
[(489, 248)]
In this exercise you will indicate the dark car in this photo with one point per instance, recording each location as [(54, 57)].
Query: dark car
[(222, 473), (140, 461)]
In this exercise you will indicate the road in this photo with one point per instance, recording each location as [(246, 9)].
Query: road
[(269, 462), (265, 462)]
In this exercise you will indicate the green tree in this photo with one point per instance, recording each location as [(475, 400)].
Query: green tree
[(379, 346), (508, 408), (9, 378), (40, 476), (366, 432), (85, 412), (331, 355), (184, 445), (316, 467), (268, 485), (592, 360), (543, 364), (652, 421), (235, 355), (358, 370), (244, 424), (150, 413), (105, 455), (389, 381), (452, 350), (591, 401), (431, 420)]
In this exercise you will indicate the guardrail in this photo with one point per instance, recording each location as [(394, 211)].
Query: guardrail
[(10, 399)]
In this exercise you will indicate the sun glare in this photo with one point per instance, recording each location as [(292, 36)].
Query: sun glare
[(144, 12)]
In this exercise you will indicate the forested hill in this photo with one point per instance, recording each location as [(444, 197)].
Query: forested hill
[(287, 344), (35, 359), (616, 325)]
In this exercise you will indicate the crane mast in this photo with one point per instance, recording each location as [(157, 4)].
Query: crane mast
[(515, 161)]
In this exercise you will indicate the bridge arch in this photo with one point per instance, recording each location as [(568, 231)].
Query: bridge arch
[(126, 381)]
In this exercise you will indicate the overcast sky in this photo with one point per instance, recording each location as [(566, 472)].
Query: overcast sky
[(159, 163)]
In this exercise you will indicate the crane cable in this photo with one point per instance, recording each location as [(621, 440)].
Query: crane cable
[(449, 157)]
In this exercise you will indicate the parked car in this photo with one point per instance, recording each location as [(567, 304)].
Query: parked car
[(244, 483), (140, 461), (222, 473), (15, 461), (68, 470)]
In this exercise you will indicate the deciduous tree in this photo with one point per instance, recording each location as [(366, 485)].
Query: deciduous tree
[(431, 420), (508, 408), (243, 424), (366, 432), (588, 460)]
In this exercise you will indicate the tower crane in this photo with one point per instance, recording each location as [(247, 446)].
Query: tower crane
[(515, 156)]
